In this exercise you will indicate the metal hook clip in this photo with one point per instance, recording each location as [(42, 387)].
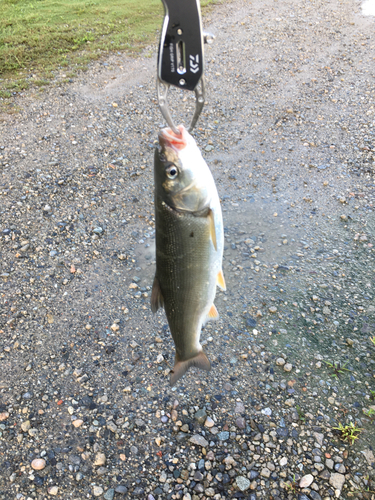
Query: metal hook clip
[(162, 90)]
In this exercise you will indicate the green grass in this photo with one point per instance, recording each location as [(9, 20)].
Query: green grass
[(38, 37)]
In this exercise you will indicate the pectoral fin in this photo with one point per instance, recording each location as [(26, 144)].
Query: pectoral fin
[(181, 367), (212, 228), (157, 299), (221, 281)]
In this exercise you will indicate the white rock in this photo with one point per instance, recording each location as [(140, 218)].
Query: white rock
[(53, 490), (306, 481), (38, 464)]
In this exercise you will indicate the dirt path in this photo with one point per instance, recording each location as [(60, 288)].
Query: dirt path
[(289, 133)]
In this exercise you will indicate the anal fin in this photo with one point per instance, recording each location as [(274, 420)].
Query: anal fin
[(181, 367), (212, 313), (221, 281), (157, 299)]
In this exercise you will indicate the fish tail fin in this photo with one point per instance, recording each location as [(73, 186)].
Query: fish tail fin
[(181, 367)]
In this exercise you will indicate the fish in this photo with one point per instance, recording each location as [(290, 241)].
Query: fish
[(189, 238)]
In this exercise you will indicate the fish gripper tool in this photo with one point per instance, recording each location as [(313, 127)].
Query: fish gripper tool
[(181, 55)]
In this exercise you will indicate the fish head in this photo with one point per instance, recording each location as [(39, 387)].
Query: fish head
[(182, 177)]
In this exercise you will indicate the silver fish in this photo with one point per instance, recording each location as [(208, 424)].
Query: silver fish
[(189, 246)]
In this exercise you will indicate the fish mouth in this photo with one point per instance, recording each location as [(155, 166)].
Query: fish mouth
[(167, 138)]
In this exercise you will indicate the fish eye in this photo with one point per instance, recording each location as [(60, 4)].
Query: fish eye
[(171, 171)]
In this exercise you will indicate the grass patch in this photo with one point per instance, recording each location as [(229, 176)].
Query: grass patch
[(41, 36)]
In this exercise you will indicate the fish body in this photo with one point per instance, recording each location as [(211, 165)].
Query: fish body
[(189, 245)]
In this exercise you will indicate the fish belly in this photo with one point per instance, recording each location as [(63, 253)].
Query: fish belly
[(186, 267)]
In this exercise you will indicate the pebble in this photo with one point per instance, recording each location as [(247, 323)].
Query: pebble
[(53, 490), (242, 483), (306, 481), (280, 361), (25, 426), (267, 411), (100, 459), (199, 440), (38, 464), (109, 494), (4, 416), (97, 491), (288, 367), (77, 423), (223, 436), (337, 480), (209, 422)]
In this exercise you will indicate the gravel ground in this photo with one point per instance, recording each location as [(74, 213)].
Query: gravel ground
[(86, 410)]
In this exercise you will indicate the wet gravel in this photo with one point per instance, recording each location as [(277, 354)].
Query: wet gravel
[(86, 410)]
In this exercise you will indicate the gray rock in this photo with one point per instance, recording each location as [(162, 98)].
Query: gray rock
[(337, 480), (198, 440), (340, 468), (242, 483), (223, 435), (200, 416), (121, 489), (109, 494)]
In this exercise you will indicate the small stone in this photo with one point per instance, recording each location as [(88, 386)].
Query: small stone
[(223, 436), (288, 367), (242, 483), (38, 464), (267, 412), (3, 416), (340, 468), (240, 423), (112, 426), (337, 481), (209, 422), (265, 472), (329, 463), (283, 462), (99, 459), (350, 342), (53, 490), (280, 361), (97, 491), (109, 494), (121, 489), (115, 327), (199, 440), (306, 481), (209, 492), (273, 309), (77, 423), (200, 416)]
